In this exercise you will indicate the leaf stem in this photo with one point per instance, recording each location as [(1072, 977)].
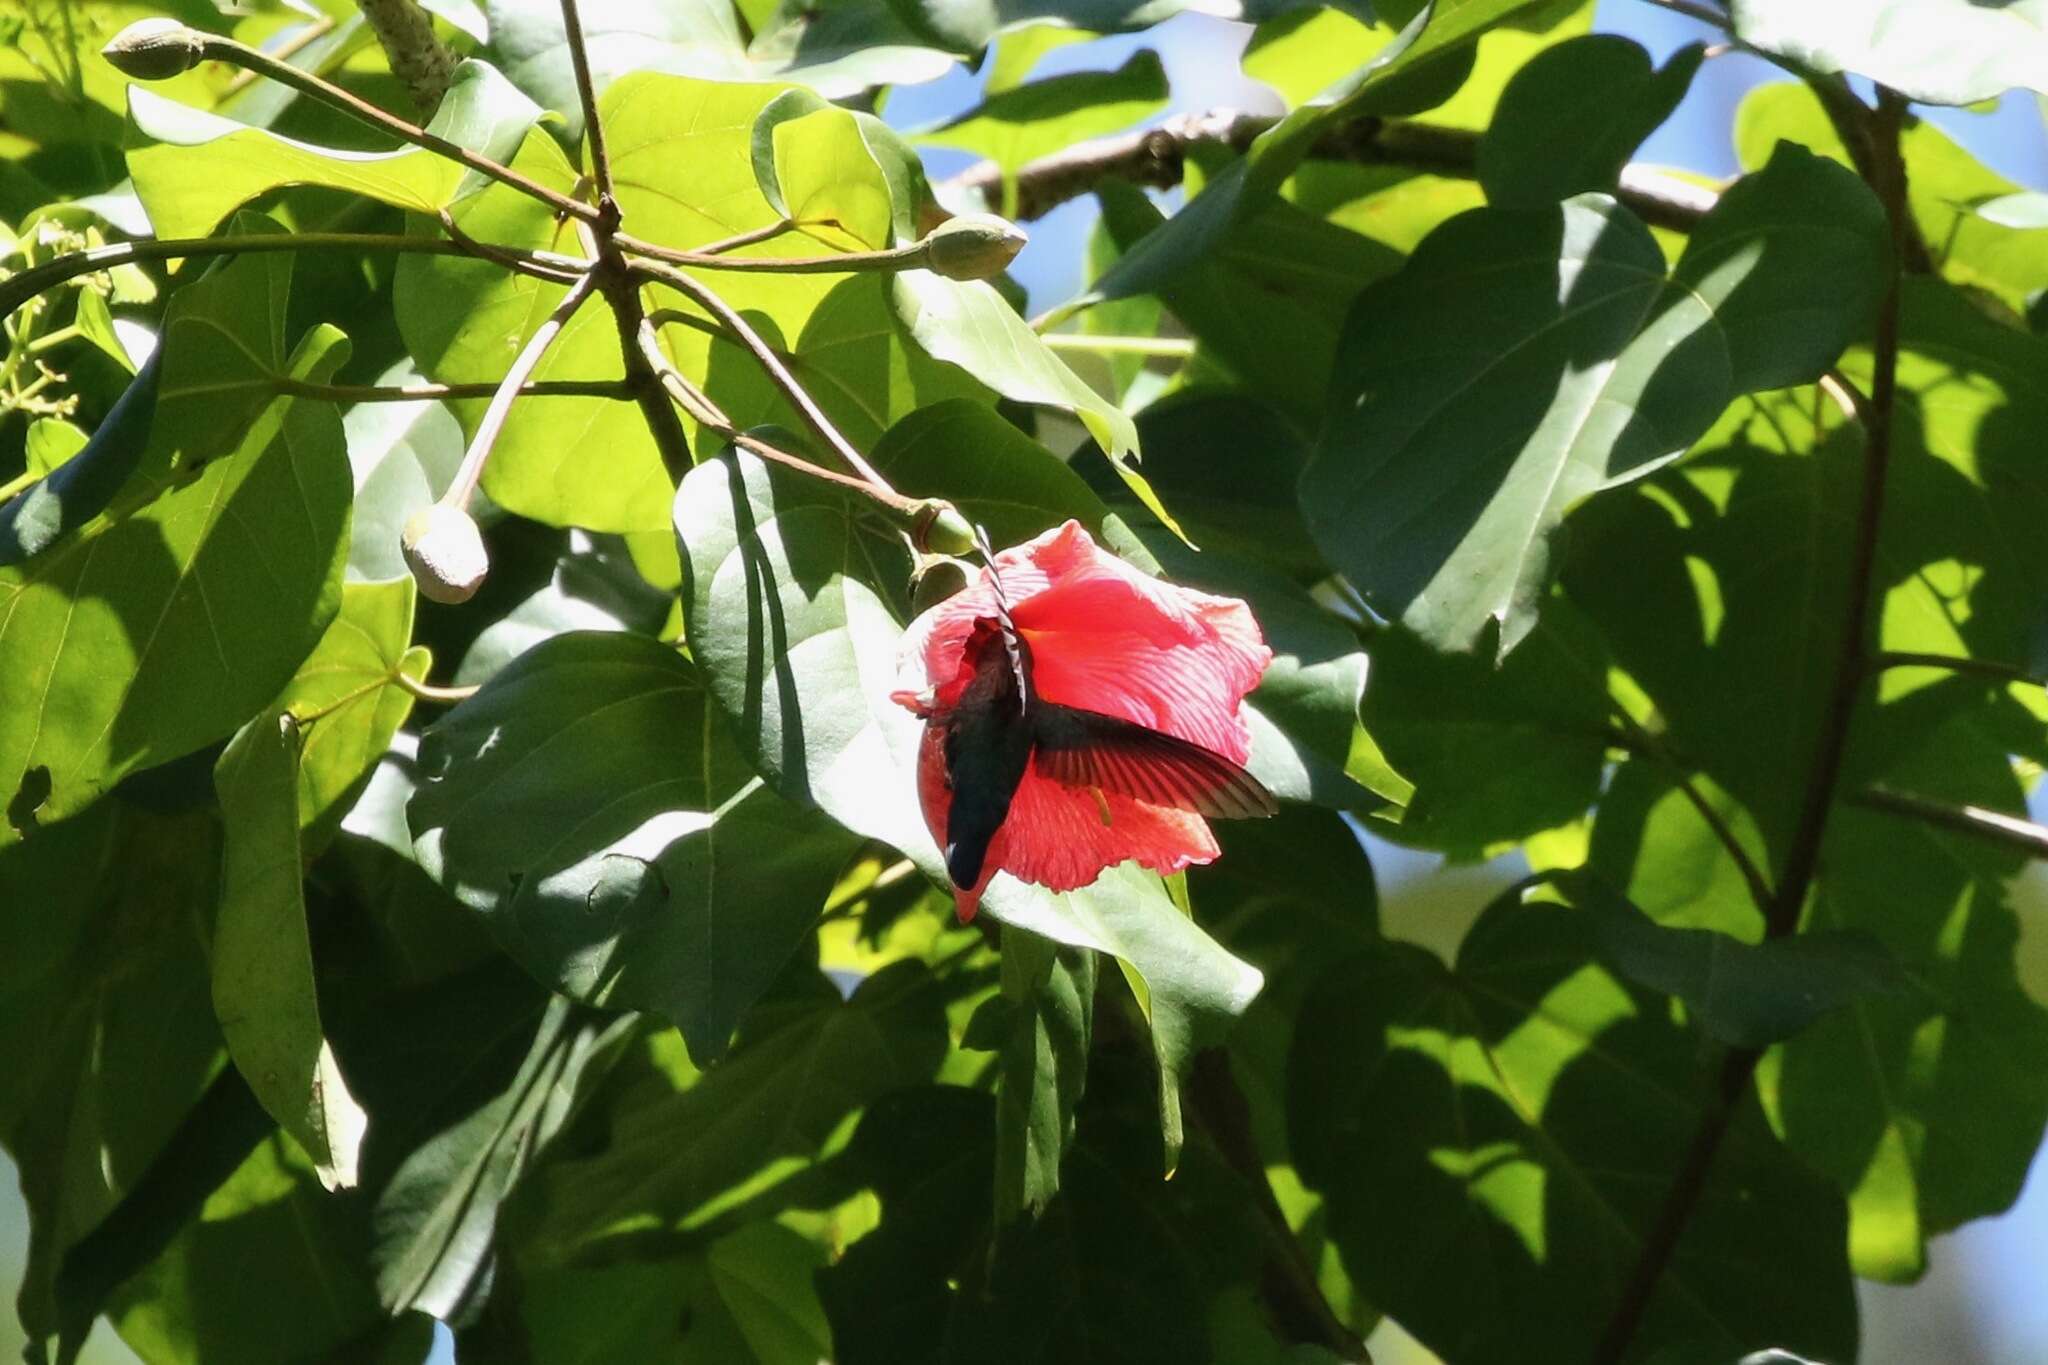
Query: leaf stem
[(522, 367), (1175, 348), (778, 373), (428, 692), (1886, 174), (1981, 821), (214, 47), (552, 266), (739, 239)]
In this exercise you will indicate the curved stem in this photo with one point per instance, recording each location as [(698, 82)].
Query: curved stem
[(909, 257), (739, 239), (778, 373), (472, 467), (552, 266), (227, 50), (440, 696), (19, 289)]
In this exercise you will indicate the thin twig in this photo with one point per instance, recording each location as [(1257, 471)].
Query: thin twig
[(593, 128), (216, 48), (1633, 738), (414, 393), (1958, 663), (552, 266), (472, 467), (17, 290), (743, 331), (284, 51), (767, 233), (707, 414), (1887, 177), (1981, 821)]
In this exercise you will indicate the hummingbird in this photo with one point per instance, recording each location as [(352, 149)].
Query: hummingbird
[(998, 725)]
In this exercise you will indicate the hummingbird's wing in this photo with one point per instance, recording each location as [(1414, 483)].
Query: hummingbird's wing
[(1079, 748)]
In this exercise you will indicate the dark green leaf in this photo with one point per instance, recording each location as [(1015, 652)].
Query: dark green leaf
[(1507, 1130), (262, 960), (1745, 995), (677, 1159), (82, 485), (1441, 509), (435, 1223), (1573, 116), (590, 802), (1043, 1051)]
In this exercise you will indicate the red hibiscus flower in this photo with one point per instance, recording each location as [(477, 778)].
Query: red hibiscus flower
[(1099, 719)]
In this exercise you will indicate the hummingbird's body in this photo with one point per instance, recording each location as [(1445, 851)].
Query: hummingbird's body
[(998, 727)]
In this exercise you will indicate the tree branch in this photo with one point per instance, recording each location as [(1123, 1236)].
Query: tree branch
[(1887, 177), (1997, 826), (145, 48), (1156, 157), (593, 129), (1958, 663), (418, 57)]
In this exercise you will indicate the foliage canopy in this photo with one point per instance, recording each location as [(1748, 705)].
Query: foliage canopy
[(602, 997)]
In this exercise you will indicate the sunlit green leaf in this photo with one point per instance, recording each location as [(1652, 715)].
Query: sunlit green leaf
[(172, 616)]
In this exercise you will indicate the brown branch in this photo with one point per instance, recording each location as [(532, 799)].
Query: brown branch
[(1887, 177), (418, 57), (593, 128), (1997, 826), (1156, 157)]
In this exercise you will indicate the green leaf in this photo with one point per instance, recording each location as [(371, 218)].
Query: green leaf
[(1512, 1124), (1025, 122), (178, 611), (746, 1299), (1930, 51), (1440, 508), (202, 167), (1745, 995), (1013, 487), (347, 700), (1944, 182), (967, 323), (788, 597), (435, 1223), (1496, 754), (271, 1268), (765, 1117), (262, 963), (1042, 1047), (1267, 301), (591, 805), (51, 441), (829, 177), (103, 1004), (1570, 119)]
